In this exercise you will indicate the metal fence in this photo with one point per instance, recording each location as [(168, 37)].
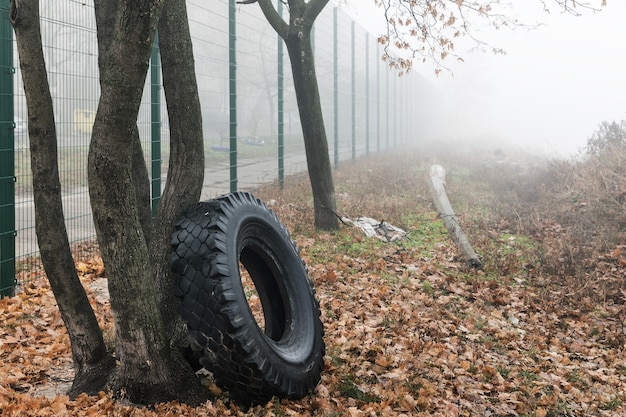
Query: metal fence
[(251, 137)]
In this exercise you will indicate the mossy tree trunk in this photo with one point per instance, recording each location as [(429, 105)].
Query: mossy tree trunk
[(88, 349), (150, 366)]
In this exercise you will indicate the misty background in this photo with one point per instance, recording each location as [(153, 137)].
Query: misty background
[(550, 91)]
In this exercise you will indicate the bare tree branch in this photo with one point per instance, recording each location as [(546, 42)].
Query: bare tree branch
[(428, 29), (570, 6), (275, 20)]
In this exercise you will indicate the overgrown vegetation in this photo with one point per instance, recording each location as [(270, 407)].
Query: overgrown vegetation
[(575, 210), (409, 328)]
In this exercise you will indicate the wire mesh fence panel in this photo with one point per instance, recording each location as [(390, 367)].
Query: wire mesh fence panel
[(210, 33), (360, 90), (70, 51), (324, 50), (9, 126), (365, 108), (344, 88), (256, 98)]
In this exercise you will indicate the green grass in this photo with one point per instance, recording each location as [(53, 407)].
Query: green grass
[(347, 387), (425, 230), (528, 376), (292, 144), (612, 404), (347, 241)]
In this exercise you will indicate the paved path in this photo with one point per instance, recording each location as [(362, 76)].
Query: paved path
[(77, 209)]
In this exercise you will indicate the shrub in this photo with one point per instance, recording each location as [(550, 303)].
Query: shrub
[(606, 138)]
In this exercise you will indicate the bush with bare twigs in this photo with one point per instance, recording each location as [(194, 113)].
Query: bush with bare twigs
[(565, 219), (577, 210)]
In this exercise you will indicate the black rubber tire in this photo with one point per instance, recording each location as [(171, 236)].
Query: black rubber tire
[(210, 241)]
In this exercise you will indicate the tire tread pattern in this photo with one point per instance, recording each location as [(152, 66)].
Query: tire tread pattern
[(209, 305)]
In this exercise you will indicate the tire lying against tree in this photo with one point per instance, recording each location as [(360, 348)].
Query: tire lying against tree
[(281, 353)]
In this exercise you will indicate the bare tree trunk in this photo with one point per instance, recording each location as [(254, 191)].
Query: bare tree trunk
[(88, 349), (141, 181), (147, 372), (314, 132), (297, 37), (150, 368), (186, 162)]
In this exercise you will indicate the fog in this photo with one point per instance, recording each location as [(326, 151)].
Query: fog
[(548, 93)]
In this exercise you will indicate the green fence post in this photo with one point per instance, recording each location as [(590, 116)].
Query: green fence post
[(400, 104), (396, 109), (232, 75), (155, 125), (281, 106), (335, 89), (353, 76), (378, 97), (7, 157), (407, 111), (387, 104)]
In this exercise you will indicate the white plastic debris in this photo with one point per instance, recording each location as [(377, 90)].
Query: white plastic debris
[(373, 228)]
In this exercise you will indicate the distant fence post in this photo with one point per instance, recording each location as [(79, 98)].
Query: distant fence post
[(367, 94), (7, 158), (335, 89), (396, 110), (378, 60), (353, 78), (281, 105), (400, 104), (232, 75), (387, 104), (155, 123)]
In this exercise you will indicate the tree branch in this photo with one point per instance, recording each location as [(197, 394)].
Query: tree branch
[(429, 28), (569, 6), (275, 20), (314, 8)]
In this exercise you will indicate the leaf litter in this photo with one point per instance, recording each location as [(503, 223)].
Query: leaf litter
[(408, 329)]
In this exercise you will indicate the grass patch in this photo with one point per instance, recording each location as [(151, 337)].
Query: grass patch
[(348, 388)]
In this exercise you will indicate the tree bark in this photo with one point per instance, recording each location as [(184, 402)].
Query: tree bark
[(186, 162), (443, 206), (297, 37), (150, 365), (148, 370), (88, 349)]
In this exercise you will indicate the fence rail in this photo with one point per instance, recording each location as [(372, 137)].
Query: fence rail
[(251, 137)]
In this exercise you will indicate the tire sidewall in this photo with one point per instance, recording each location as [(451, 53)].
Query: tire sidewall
[(284, 358), (256, 227)]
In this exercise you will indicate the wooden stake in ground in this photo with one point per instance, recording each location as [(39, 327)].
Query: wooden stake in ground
[(443, 206)]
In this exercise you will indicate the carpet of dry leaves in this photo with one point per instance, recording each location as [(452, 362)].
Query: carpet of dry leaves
[(409, 329)]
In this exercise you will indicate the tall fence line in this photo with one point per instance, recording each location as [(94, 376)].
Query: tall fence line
[(251, 126)]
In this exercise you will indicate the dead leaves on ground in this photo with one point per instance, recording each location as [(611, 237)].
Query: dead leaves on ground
[(32, 338), (406, 334)]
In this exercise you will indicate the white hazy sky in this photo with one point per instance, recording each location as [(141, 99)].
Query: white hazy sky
[(552, 88)]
